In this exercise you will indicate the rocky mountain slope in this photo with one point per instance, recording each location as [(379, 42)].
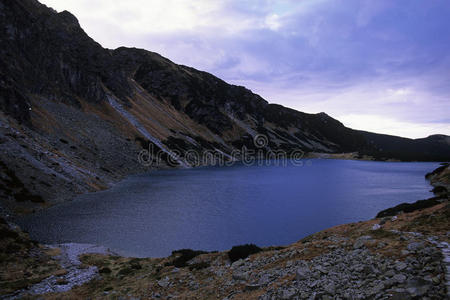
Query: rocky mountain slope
[(74, 116)]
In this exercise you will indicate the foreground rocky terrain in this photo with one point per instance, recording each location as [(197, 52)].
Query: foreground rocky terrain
[(402, 256), (75, 116)]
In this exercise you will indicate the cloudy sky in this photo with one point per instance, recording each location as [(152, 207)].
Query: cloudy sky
[(381, 65)]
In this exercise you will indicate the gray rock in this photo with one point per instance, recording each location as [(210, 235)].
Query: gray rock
[(321, 269), (313, 284), (302, 273), (360, 274), (417, 286), (304, 295), (376, 226), (164, 282), (287, 294), (264, 279), (240, 275), (381, 245), (436, 280), (400, 296), (359, 243), (330, 288), (368, 269), (399, 278), (390, 273), (400, 266), (415, 246), (378, 288), (358, 267), (237, 263)]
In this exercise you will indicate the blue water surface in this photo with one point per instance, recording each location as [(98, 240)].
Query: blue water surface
[(215, 208)]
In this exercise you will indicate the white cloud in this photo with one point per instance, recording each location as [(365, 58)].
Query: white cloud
[(380, 106), (273, 22), (142, 16), (380, 124), (400, 92), (139, 17)]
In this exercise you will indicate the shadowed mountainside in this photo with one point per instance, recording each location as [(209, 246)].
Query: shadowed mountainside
[(74, 116)]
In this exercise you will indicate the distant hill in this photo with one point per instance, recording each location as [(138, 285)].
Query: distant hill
[(383, 146)]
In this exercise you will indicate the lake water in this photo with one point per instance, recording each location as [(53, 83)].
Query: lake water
[(216, 208)]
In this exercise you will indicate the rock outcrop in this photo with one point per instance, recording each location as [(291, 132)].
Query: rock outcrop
[(439, 179)]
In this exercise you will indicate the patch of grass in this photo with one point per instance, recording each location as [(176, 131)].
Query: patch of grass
[(381, 233), (12, 248), (437, 171), (408, 207), (105, 270), (13, 182), (185, 255), (274, 248), (14, 285), (125, 271), (7, 233), (21, 262), (439, 190), (242, 251), (25, 195), (437, 222), (53, 251), (199, 266), (135, 265)]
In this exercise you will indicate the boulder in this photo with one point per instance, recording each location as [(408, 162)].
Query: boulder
[(418, 287), (376, 226), (359, 243), (302, 273), (415, 246)]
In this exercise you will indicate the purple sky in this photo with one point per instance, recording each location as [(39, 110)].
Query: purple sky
[(378, 65)]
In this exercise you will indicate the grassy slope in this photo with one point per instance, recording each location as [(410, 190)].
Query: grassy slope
[(22, 261)]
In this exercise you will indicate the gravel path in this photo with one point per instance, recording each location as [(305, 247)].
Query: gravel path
[(76, 274)]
